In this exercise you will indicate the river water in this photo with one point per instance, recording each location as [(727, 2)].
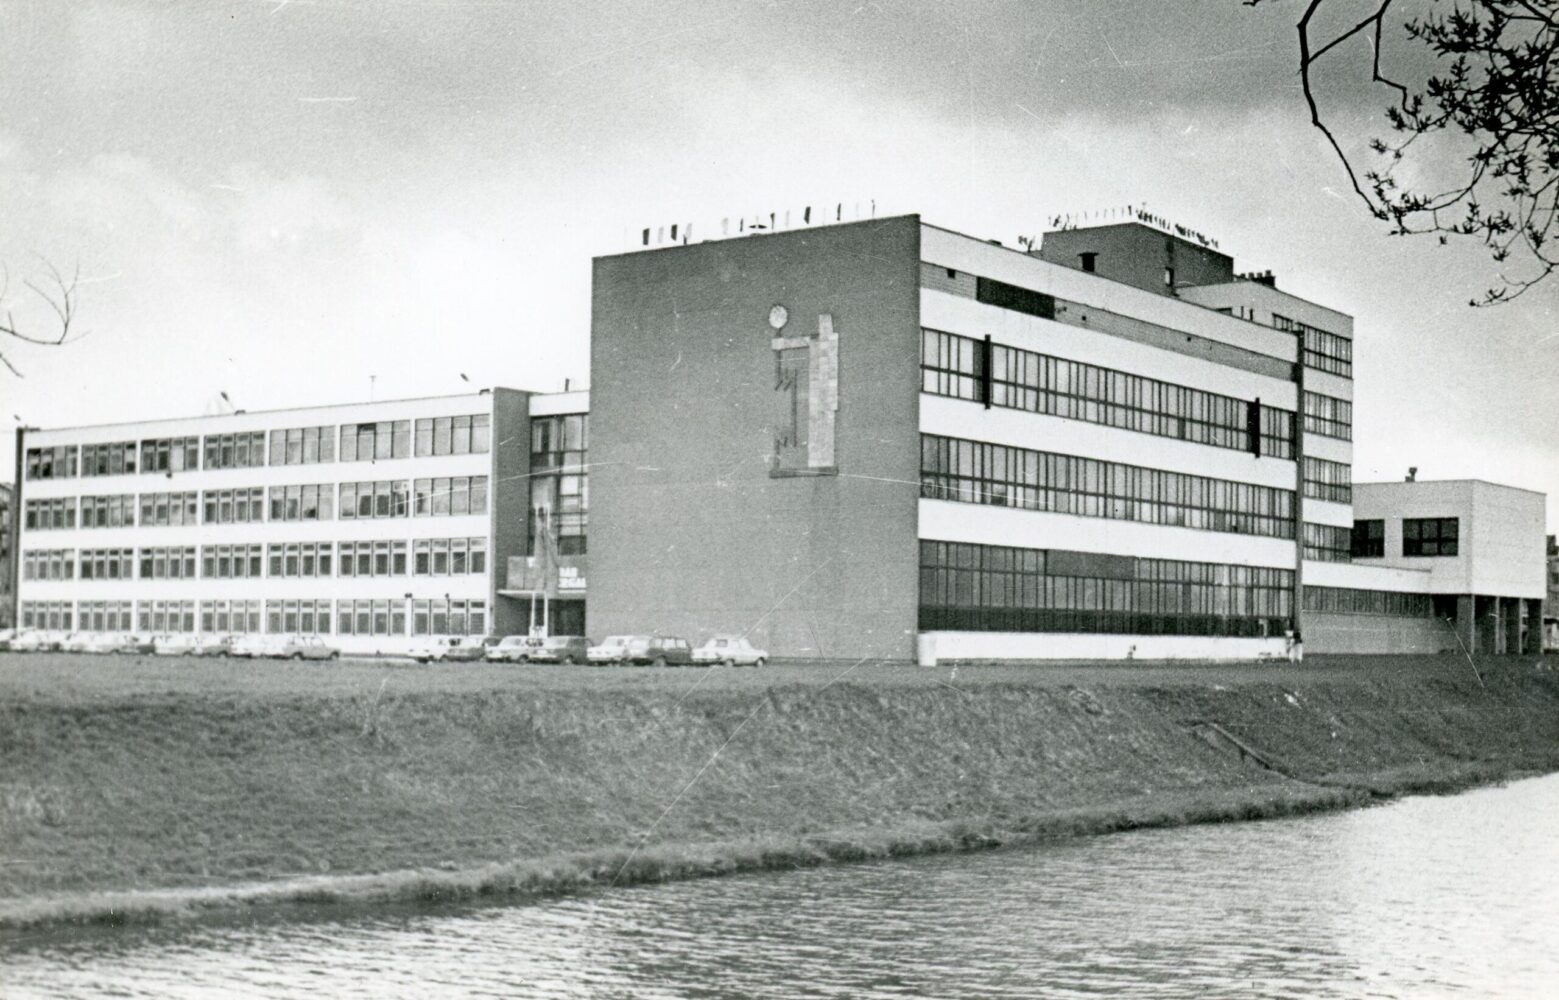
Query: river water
[(1423, 897)]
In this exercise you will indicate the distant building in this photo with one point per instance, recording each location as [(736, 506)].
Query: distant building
[(1551, 613), (375, 523)]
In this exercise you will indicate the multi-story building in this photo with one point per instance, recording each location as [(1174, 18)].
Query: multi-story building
[(879, 439), (372, 522), (7, 594), (841, 440)]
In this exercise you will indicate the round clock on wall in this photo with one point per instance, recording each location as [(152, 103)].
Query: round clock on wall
[(778, 317)]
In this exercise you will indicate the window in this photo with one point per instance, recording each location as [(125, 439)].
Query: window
[(1328, 480), (58, 616), (228, 562), (175, 563), (1323, 351), (996, 588), (244, 450), (166, 616), (449, 495), (371, 617), (454, 435), (49, 515), (1347, 601), (450, 556), (1327, 543), (382, 558), (58, 462), (560, 484), (999, 293), (303, 445), (1430, 536), (239, 506), (1328, 416), (952, 365), (105, 616), (308, 502), (51, 564), (108, 511), (385, 498), (297, 617), (108, 459), (170, 508), (1368, 539), (230, 616), (977, 472), (375, 441), (449, 617), (170, 454)]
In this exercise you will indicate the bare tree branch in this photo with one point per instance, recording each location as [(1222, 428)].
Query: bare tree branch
[(59, 294)]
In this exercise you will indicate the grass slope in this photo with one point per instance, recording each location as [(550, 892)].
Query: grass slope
[(133, 788)]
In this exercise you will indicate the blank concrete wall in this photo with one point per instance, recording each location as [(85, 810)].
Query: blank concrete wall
[(689, 533)]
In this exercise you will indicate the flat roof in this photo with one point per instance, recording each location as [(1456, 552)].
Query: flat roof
[(1432, 482)]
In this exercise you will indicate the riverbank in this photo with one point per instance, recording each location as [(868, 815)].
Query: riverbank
[(135, 790)]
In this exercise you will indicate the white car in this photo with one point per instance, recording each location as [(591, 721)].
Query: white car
[(434, 648), (255, 645), (31, 641), (175, 644), (511, 649), (731, 650)]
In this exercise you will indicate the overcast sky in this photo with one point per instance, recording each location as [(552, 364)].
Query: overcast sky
[(281, 199)]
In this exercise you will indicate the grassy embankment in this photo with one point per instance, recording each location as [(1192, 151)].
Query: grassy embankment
[(130, 790)]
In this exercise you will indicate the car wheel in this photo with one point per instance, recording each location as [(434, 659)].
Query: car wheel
[(760, 661), (730, 662), (660, 661), (569, 660), (335, 655), (297, 656)]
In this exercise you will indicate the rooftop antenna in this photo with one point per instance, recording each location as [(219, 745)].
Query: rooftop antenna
[(1412, 474), (371, 387)]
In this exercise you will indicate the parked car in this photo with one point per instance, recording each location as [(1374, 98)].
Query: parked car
[(656, 650), (448, 648), (109, 642), (215, 645), (6, 635), (731, 650), (510, 649), (32, 641), (138, 642), (254, 645), (74, 642), (175, 644), (568, 649), (303, 647)]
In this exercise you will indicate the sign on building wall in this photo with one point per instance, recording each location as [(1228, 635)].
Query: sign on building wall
[(806, 394)]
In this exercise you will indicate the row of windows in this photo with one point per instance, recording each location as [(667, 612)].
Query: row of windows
[(449, 495), (953, 365), (432, 557), (284, 617), (1344, 600), (238, 506), (977, 472), (1328, 480), (1328, 543), (462, 435), (1328, 416), (1323, 351), (997, 588), (57, 513)]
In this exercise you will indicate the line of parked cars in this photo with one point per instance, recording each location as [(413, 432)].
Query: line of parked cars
[(296, 647), (664, 650)]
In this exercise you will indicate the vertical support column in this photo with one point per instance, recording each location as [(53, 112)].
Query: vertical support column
[(1486, 610), (1534, 643), (1466, 621), (12, 598), (1510, 609)]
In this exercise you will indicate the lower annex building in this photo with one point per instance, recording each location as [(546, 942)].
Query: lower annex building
[(877, 439)]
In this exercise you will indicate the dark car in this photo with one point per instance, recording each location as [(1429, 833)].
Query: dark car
[(568, 649), (656, 650)]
